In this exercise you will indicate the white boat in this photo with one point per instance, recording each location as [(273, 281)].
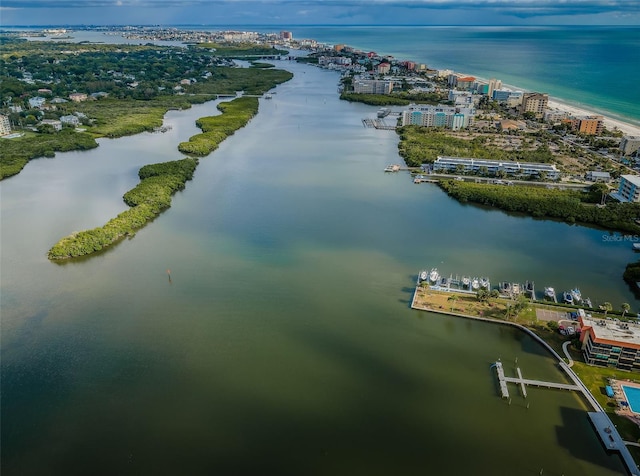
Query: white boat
[(383, 112), (475, 284), (466, 280), (587, 303), (568, 297), (433, 276), (423, 275), (576, 295), (268, 96), (550, 292), (636, 246), (484, 283), (505, 288)]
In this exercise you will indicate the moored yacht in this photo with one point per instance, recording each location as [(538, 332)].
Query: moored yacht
[(484, 283), (466, 280), (577, 295), (568, 297), (423, 275), (433, 276), (475, 284)]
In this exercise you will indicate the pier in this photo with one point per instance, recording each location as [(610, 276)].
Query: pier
[(523, 382)]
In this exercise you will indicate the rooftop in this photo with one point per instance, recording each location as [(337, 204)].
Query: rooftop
[(634, 179), (614, 332)]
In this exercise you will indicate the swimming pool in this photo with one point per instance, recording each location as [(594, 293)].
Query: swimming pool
[(632, 395)]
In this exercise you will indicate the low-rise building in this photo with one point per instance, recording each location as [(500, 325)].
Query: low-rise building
[(628, 189), (36, 102), (610, 343), (492, 167), (630, 144), (70, 119), (597, 176), (57, 125)]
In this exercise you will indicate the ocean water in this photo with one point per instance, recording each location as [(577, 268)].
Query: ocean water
[(592, 67)]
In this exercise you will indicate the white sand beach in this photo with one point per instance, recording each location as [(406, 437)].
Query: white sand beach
[(609, 123)]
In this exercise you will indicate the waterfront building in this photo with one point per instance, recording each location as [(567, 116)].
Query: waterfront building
[(610, 343), (57, 125), (438, 116), (535, 103), (493, 85), (630, 144), (555, 116), (628, 189), (590, 125), (492, 167), (511, 98), (372, 86), (5, 125), (70, 119), (286, 35)]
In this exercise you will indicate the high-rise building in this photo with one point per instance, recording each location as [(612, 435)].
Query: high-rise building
[(493, 85), (372, 86), (286, 35), (438, 116), (590, 125), (535, 103)]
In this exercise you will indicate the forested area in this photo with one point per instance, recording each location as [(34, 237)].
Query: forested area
[(152, 195), (134, 86), (566, 205)]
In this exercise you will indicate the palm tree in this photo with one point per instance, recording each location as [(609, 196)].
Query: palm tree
[(495, 293), (510, 312), (452, 299), (606, 307), (625, 308)]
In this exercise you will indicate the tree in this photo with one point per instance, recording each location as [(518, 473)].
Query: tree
[(625, 308), (510, 312), (606, 307), (452, 299), (495, 293), (482, 295)]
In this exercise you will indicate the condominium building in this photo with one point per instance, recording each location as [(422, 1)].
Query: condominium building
[(438, 116), (5, 125), (535, 103), (474, 166), (493, 85), (372, 86), (610, 343), (628, 189), (590, 125), (630, 144)]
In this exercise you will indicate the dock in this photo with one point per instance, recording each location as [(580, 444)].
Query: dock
[(523, 382), (612, 440)]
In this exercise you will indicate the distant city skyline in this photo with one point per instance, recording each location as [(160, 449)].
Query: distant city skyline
[(317, 12)]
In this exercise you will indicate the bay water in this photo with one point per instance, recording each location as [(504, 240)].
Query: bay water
[(283, 342)]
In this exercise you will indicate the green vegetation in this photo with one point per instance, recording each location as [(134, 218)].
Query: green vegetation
[(375, 99), (565, 205), (135, 85), (632, 273), (15, 153), (215, 129), (147, 199), (421, 145), (241, 50), (258, 64)]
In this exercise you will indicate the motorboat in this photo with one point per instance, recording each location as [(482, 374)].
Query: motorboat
[(484, 283), (550, 292), (466, 280), (505, 287), (433, 276), (444, 282), (577, 295), (475, 284), (423, 275), (568, 297)]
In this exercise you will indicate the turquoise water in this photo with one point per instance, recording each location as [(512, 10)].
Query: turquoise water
[(589, 66), (633, 397)]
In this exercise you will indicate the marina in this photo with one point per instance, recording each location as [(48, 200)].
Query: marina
[(506, 289)]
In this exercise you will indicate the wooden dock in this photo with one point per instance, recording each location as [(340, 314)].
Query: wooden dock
[(523, 382)]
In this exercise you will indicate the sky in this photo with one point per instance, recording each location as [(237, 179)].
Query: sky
[(319, 12)]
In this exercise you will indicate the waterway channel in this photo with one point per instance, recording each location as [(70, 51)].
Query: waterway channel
[(283, 343)]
